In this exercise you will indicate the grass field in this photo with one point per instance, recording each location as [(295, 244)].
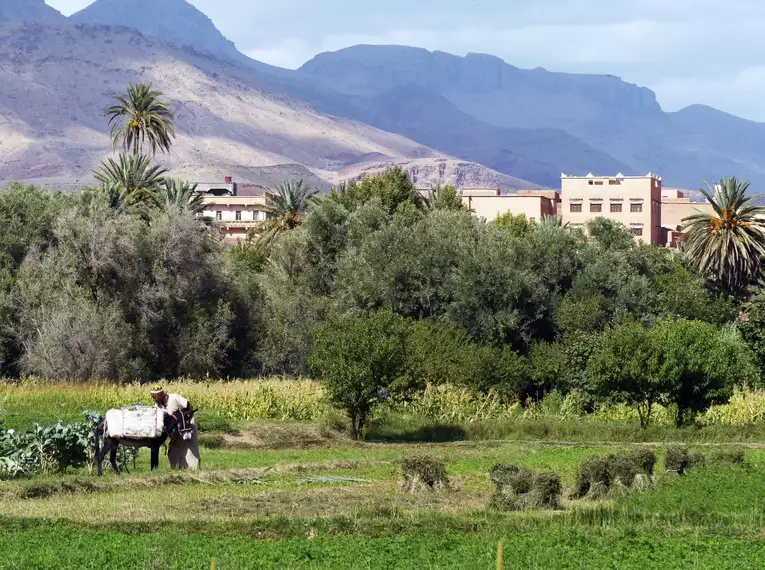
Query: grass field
[(266, 498)]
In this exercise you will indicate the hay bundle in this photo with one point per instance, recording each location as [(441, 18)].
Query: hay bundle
[(616, 474), (729, 456), (424, 474), (517, 488), (680, 459)]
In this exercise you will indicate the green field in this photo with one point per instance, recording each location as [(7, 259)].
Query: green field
[(252, 507)]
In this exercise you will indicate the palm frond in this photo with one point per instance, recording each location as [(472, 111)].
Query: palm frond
[(728, 244)]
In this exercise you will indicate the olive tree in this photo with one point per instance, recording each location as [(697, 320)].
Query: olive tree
[(358, 358)]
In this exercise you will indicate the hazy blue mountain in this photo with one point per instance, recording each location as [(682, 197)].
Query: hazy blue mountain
[(30, 10), (621, 120), (533, 124)]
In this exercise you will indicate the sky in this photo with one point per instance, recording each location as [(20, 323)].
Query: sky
[(687, 51)]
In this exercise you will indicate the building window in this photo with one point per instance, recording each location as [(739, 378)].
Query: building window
[(218, 215), (636, 208), (238, 216), (596, 207), (532, 220), (638, 232), (613, 182), (598, 183), (576, 208), (616, 208)]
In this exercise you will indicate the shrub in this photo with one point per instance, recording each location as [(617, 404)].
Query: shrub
[(424, 474), (517, 488)]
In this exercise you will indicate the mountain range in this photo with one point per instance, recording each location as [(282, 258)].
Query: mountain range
[(473, 120)]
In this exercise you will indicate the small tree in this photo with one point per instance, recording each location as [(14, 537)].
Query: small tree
[(626, 369), (701, 364), (358, 358)]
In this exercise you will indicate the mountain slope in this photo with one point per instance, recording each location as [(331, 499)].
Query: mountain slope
[(30, 10), (174, 20), (56, 79)]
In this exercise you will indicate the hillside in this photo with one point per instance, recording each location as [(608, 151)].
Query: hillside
[(56, 79)]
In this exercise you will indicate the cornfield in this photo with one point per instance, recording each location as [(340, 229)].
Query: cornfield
[(299, 400), (304, 400)]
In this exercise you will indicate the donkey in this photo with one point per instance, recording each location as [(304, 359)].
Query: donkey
[(172, 422)]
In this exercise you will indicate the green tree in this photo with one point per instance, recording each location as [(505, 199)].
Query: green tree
[(627, 369), (358, 358), (131, 176), (393, 188), (609, 235), (286, 206), (700, 365), (141, 117), (729, 244), (518, 225), (175, 193), (444, 198)]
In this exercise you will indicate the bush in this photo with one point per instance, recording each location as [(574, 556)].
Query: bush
[(212, 441), (424, 474), (517, 488)]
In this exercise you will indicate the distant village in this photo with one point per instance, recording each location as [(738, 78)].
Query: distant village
[(652, 213)]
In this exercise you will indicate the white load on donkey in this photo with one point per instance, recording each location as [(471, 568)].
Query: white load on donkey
[(150, 426)]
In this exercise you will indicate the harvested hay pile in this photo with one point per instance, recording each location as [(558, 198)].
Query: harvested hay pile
[(517, 488), (618, 473), (424, 474), (729, 456), (679, 459)]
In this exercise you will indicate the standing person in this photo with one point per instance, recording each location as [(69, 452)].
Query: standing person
[(182, 453)]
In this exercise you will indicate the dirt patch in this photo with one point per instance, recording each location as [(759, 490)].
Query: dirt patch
[(285, 436)]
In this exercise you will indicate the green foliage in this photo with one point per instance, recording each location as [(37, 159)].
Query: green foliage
[(359, 358), (141, 117), (626, 369), (392, 189), (729, 244), (178, 194), (516, 225), (131, 176), (286, 206), (609, 235), (49, 449), (444, 198)]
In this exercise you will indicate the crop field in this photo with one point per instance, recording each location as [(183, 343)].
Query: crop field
[(281, 493)]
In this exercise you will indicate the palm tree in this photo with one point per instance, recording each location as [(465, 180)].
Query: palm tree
[(131, 175), (140, 117), (175, 193), (285, 208), (729, 244)]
